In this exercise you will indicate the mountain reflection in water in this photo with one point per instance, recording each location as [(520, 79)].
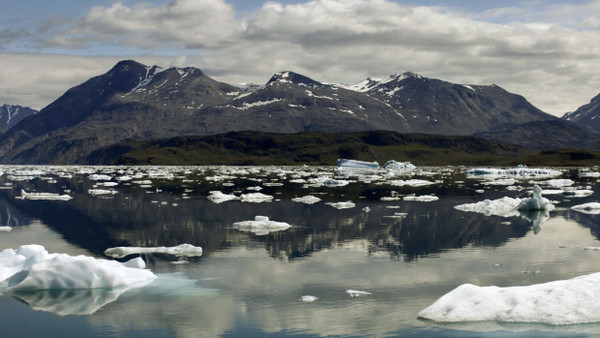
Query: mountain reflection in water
[(405, 253)]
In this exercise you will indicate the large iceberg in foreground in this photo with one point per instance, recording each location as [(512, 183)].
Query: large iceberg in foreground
[(31, 267), (573, 301)]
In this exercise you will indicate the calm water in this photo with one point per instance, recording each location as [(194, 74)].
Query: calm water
[(406, 253)]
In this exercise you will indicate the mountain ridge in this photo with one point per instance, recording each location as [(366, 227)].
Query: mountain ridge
[(135, 102)]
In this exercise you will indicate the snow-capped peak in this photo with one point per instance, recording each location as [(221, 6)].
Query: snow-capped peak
[(373, 82)]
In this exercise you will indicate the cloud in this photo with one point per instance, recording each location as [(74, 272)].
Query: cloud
[(549, 54)]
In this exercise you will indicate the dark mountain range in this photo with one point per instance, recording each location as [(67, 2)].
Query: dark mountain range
[(10, 115), (587, 115), (133, 102), (438, 107)]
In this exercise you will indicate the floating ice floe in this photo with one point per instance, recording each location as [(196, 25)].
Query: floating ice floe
[(507, 206), (308, 298), (182, 250), (577, 192), (43, 196), (558, 182), (393, 168), (513, 172), (309, 199), (31, 267), (592, 208), (261, 225), (357, 293), (255, 198), (5, 229), (99, 177), (96, 192), (219, 197), (411, 183), (423, 198), (565, 302), (344, 164), (342, 205)]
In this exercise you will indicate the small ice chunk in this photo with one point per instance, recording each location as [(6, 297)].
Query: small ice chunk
[(256, 197), (219, 197), (394, 168), (355, 164), (261, 225), (592, 208), (308, 298), (342, 205), (424, 198), (5, 229), (309, 199), (357, 293), (182, 250), (96, 192), (38, 196)]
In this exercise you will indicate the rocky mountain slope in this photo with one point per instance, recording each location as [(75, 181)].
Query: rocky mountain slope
[(134, 102), (10, 115), (587, 115)]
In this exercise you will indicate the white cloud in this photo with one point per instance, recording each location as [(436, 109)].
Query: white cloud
[(547, 54)]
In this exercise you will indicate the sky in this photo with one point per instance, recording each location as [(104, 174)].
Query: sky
[(546, 51)]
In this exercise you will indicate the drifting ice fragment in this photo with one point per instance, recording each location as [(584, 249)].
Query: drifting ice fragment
[(394, 168), (256, 198), (592, 208), (357, 293), (6, 229), (219, 197), (424, 198), (342, 205), (308, 298), (44, 196), (309, 199), (182, 250), (261, 225), (354, 164), (565, 302)]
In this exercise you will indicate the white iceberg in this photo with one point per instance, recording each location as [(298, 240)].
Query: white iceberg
[(344, 163), (309, 199), (309, 298), (566, 302), (219, 197), (521, 172), (342, 205), (394, 168), (182, 250), (261, 225), (410, 183), (46, 196), (504, 207), (423, 198), (31, 267), (537, 202), (97, 192), (357, 293), (592, 208), (256, 197), (507, 206)]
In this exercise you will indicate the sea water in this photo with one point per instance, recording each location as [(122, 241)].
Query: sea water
[(359, 259)]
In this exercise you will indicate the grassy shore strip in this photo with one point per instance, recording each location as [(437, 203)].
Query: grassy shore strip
[(321, 148)]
